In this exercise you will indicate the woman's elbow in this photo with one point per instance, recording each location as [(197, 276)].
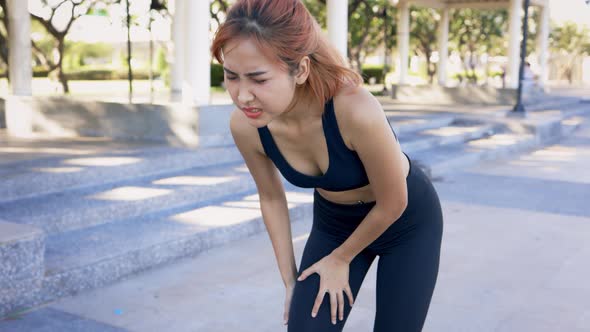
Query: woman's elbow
[(394, 210)]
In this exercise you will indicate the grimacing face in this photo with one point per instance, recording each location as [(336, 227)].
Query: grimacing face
[(259, 87)]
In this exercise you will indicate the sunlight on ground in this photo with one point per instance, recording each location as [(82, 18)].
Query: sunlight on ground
[(235, 212), (103, 161), (301, 238), (242, 169), (195, 180), (573, 121), (243, 204), (292, 197), (58, 169), (494, 141), (553, 153), (45, 150), (451, 131), (130, 194), (213, 216)]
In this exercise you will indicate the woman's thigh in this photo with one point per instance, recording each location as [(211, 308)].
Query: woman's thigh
[(406, 277), (318, 246)]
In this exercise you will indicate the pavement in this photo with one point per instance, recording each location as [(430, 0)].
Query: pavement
[(514, 256)]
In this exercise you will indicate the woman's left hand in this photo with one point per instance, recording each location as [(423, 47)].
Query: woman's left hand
[(333, 271)]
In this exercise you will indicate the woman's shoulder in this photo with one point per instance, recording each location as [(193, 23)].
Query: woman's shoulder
[(355, 103), (356, 110)]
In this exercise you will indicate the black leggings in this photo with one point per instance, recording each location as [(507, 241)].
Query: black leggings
[(409, 252)]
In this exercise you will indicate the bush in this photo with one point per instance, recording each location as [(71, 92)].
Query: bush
[(90, 74), (100, 74), (375, 71), (40, 72), (138, 74), (216, 74)]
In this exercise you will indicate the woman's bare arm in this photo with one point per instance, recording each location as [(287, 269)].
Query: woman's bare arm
[(273, 202), (381, 155)]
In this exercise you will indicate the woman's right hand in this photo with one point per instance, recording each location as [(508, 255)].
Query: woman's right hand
[(288, 296)]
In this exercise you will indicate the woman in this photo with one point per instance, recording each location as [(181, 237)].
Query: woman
[(302, 111)]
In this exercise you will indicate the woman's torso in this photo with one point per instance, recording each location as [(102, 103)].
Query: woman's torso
[(305, 150)]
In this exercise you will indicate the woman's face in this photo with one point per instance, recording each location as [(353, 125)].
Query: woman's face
[(258, 86)]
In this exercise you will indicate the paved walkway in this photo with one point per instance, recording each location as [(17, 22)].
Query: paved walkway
[(515, 253)]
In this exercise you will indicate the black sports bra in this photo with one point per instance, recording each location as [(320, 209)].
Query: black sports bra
[(345, 169)]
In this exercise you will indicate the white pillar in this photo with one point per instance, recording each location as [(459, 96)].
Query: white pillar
[(197, 61), (443, 47), (18, 113), (543, 44), (403, 40), (338, 25), (514, 39), (177, 49)]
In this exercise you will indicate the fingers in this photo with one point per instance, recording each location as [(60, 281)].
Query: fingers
[(308, 271), (348, 292), (336, 303), (340, 305), (333, 306), (286, 316), (318, 302)]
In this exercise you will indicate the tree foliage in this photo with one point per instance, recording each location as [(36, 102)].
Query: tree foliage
[(424, 25), (71, 10), (474, 32), (570, 41)]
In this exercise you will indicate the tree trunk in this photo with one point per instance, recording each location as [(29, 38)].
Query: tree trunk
[(60, 71)]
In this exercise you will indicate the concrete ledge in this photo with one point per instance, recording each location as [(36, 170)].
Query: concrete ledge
[(172, 123), (22, 250), (433, 94), (464, 95)]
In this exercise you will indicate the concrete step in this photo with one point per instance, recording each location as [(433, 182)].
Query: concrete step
[(139, 197), (96, 256), (402, 123), (441, 160), (22, 250), (55, 176), (457, 132), (550, 102)]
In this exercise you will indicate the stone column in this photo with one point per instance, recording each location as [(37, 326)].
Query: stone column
[(19, 115), (515, 28), (403, 40), (177, 49), (197, 61), (543, 45), (443, 47), (338, 25)]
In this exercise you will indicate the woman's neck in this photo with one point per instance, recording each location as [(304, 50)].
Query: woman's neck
[(304, 109)]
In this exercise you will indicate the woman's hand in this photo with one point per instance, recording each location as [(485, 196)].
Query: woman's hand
[(333, 271), (288, 297)]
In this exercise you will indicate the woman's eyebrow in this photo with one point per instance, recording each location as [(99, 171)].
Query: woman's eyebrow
[(256, 73)]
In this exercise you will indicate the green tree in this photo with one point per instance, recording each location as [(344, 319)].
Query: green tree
[(218, 9), (474, 32), (71, 10), (423, 35), (370, 25), (571, 41)]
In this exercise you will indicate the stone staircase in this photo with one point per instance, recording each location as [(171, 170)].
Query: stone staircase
[(80, 215)]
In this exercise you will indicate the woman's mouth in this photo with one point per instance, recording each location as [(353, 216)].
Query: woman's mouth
[(252, 112)]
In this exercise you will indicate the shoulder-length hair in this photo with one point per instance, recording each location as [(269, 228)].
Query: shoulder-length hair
[(286, 32)]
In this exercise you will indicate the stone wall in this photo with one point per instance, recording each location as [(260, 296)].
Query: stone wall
[(173, 123)]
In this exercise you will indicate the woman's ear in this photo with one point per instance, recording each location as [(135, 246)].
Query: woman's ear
[(303, 70)]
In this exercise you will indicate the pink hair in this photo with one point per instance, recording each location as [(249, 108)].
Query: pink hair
[(285, 31)]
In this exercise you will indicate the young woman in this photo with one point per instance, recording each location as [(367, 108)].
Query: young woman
[(302, 111)]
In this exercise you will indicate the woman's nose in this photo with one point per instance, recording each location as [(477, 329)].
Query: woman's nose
[(244, 96)]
